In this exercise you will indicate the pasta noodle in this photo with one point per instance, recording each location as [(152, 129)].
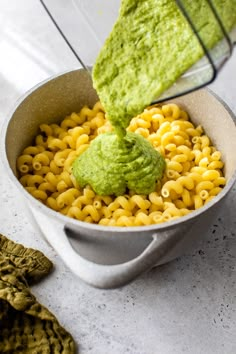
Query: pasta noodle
[(193, 175)]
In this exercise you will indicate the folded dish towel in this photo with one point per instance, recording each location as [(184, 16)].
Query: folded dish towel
[(25, 325)]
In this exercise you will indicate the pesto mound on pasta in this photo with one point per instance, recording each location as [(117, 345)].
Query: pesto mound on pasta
[(112, 165)]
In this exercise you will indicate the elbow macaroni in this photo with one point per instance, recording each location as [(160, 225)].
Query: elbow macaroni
[(193, 175)]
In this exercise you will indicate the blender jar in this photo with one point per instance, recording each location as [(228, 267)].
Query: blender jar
[(85, 24)]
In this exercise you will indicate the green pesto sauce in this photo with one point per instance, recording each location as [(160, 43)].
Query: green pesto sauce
[(111, 165), (150, 46)]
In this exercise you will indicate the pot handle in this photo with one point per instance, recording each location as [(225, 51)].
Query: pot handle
[(105, 276)]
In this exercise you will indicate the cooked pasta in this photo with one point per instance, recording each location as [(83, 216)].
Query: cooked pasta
[(193, 175)]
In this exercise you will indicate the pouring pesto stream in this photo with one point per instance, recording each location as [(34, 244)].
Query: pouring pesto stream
[(150, 47)]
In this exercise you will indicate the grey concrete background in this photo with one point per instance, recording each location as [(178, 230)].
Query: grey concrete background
[(187, 306)]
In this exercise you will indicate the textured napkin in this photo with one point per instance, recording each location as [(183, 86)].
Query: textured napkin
[(26, 326)]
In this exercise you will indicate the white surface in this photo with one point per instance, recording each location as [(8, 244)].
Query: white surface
[(188, 306)]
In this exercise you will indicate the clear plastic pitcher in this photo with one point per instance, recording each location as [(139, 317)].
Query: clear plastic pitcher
[(85, 24)]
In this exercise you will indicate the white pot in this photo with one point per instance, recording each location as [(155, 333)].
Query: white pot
[(106, 256)]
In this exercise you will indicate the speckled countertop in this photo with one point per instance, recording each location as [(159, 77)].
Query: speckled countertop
[(187, 306)]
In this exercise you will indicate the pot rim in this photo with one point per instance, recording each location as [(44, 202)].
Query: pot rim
[(101, 228)]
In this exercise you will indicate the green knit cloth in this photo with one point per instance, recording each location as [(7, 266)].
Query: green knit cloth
[(25, 325)]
